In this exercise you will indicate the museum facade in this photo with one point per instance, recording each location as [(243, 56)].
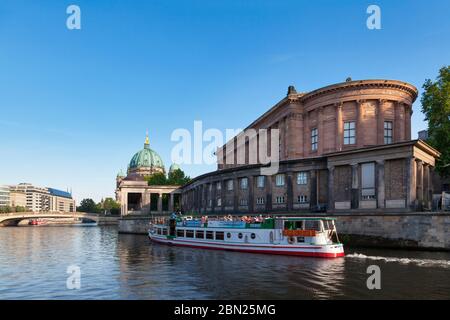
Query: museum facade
[(343, 148)]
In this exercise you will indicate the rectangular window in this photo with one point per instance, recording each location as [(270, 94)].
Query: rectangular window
[(302, 178), (302, 199), (260, 181), (279, 200), (189, 233), (180, 233), (243, 202), (219, 235), (219, 202), (279, 180), (349, 132), (387, 132), (314, 139), (260, 200), (210, 235), (230, 185), (368, 181), (200, 234), (244, 183), (218, 186)]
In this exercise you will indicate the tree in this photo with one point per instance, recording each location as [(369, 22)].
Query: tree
[(178, 178), (156, 179), (88, 205), (436, 107), (110, 205)]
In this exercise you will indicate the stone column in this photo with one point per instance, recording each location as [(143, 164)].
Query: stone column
[(313, 190), (380, 184), (251, 196), (426, 186), (380, 122), (411, 183), (408, 114), (289, 191), (355, 186), (124, 198), (159, 202), (420, 199), (306, 135), (359, 126), (268, 187), (396, 136), (339, 127), (236, 188), (213, 196), (331, 188), (320, 132), (171, 202)]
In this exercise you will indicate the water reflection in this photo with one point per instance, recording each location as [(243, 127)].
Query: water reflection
[(34, 263)]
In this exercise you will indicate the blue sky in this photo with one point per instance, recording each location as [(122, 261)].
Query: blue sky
[(75, 104)]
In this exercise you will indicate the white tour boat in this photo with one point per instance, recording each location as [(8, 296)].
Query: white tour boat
[(300, 236)]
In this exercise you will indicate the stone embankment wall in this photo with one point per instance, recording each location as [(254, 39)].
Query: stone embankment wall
[(134, 225), (409, 230)]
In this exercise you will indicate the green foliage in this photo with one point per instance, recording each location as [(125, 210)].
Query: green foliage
[(20, 209), (88, 205), (157, 179), (178, 178), (112, 206), (175, 178), (436, 107), (5, 209), (9, 209)]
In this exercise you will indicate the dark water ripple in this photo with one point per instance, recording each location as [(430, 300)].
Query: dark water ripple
[(34, 261)]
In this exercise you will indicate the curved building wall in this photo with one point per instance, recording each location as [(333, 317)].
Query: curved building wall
[(364, 158), (344, 116)]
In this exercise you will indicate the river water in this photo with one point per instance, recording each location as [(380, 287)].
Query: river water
[(34, 262)]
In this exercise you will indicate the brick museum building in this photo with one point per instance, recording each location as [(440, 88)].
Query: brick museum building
[(343, 148)]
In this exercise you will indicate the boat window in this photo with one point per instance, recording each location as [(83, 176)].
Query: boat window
[(253, 236), (300, 239), (180, 233), (164, 231), (159, 231), (228, 235), (189, 233), (219, 235), (312, 225), (200, 234), (298, 224), (240, 235), (209, 234)]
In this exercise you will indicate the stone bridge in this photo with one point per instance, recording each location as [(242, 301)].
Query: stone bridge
[(13, 219)]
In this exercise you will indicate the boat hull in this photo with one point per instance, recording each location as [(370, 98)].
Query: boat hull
[(319, 251)]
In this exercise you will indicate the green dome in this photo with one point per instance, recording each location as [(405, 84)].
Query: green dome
[(146, 158), (174, 167)]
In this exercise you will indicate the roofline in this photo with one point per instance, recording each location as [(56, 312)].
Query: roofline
[(367, 82), (303, 97)]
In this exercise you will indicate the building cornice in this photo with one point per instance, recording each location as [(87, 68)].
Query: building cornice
[(363, 84)]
